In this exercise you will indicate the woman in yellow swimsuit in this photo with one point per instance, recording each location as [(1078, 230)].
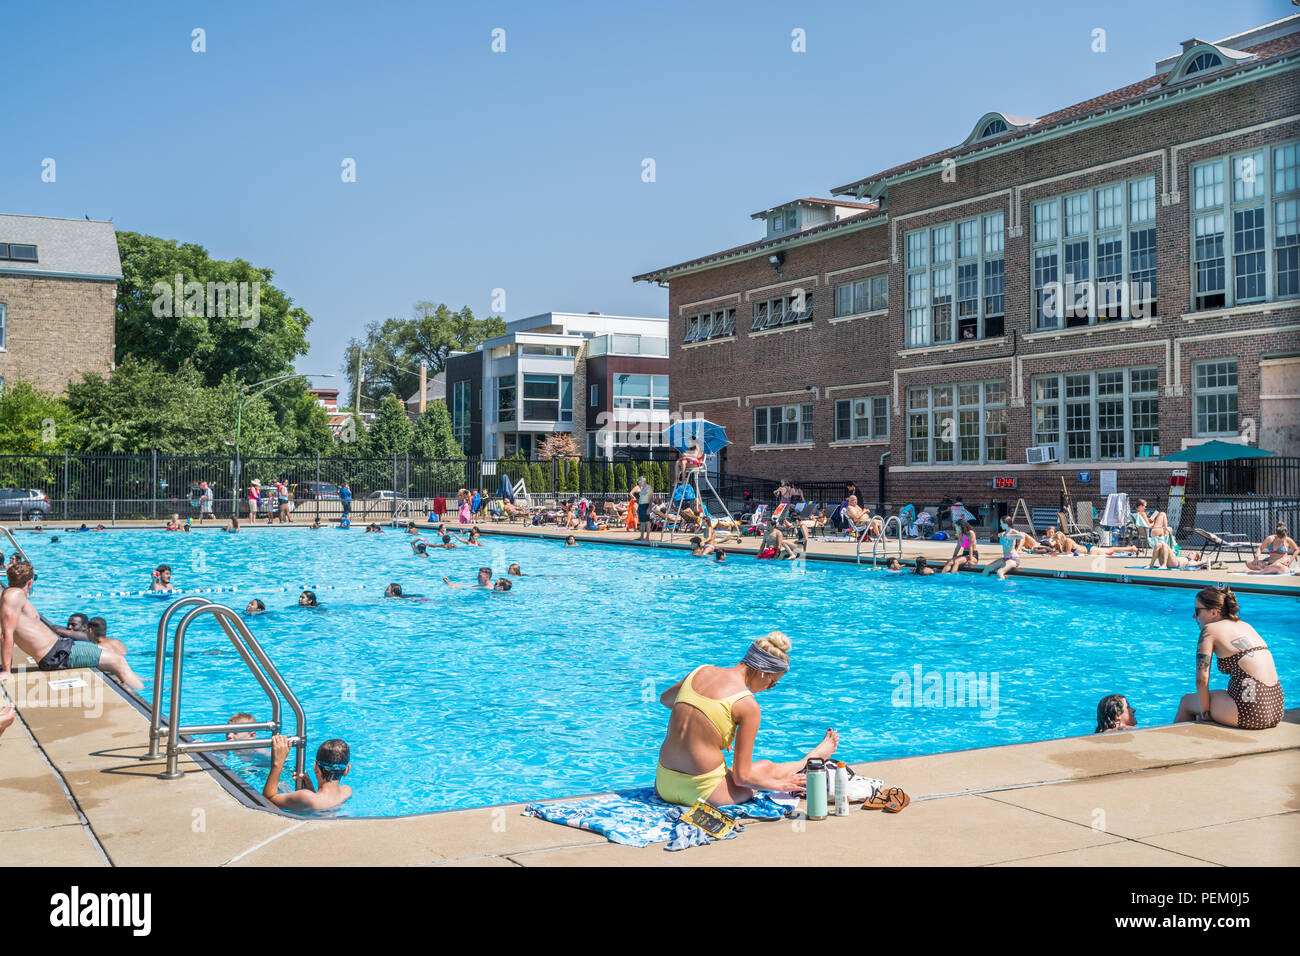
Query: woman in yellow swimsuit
[(711, 707)]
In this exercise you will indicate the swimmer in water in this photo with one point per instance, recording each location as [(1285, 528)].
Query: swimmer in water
[(162, 579), (373, 528), (570, 542), (420, 548), (472, 541), (720, 556), (516, 570), (502, 585), (308, 599), (394, 590), (893, 565), (233, 528), (484, 580), (255, 606)]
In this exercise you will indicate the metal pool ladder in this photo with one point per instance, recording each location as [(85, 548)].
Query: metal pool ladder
[(259, 665), (884, 539)]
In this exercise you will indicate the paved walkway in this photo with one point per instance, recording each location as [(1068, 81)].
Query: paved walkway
[(76, 794)]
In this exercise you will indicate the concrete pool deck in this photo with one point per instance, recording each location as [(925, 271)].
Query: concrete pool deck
[(76, 794)]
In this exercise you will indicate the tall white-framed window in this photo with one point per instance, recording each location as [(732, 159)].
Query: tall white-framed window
[(862, 419), (957, 424), (1214, 392), (1094, 255), (862, 295), (783, 425), (1246, 228), (594, 399), (955, 276), (1111, 415)]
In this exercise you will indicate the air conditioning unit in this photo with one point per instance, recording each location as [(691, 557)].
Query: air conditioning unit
[(792, 413), (1040, 454), (860, 409)]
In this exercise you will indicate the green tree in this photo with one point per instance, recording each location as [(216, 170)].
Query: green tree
[(153, 326), (392, 432), (538, 484), (34, 421), (391, 351), (620, 477), (433, 439)]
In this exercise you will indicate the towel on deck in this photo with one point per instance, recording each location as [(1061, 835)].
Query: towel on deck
[(640, 817)]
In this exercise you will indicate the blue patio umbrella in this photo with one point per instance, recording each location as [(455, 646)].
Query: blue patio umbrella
[(507, 490), (1216, 451), (710, 437)]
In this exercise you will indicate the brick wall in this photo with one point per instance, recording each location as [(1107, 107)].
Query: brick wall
[(725, 380), (56, 330)]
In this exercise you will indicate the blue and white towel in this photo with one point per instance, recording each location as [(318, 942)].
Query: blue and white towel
[(640, 817)]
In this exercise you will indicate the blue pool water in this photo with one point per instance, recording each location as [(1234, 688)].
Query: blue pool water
[(474, 698)]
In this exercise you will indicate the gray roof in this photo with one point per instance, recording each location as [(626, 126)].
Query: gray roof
[(81, 248), (435, 390)]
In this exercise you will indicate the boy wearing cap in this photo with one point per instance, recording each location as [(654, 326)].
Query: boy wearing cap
[(332, 765)]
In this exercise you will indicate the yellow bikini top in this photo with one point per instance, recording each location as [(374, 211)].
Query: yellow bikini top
[(718, 711)]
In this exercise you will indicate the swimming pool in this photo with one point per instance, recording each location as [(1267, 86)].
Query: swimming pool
[(472, 698)]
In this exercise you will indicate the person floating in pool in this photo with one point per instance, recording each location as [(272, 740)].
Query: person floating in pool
[(333, 761), (255, 606), (923, 567), (720, 556), (233, 527), (394, 590), (20, 624), (1253, 700), (516, 570), (1115, 713), (373, 528), (420, 548), (570, 542), (894, 566), (711, 707), (162, 578), (308, 599), (484, 580)]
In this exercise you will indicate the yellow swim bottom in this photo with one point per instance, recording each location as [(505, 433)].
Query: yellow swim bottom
[(685, 788)]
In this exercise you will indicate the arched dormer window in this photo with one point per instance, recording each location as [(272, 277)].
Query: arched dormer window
[(995, 124), (993, 127), (1204, 61), (1199, 58)]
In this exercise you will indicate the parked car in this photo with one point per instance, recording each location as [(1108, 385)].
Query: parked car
[(315, 491), (383, 495), (28, 503)]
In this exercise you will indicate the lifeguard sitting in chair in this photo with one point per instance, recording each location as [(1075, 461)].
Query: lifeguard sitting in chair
[(691, 459)]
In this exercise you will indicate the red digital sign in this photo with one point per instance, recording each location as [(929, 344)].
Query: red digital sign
[(1004, 481)]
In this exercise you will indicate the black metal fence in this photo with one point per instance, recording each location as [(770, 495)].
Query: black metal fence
[(1275, 477), (102, 488)]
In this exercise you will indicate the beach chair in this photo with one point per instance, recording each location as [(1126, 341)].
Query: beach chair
[(1218, 544), (1086, 521), (1071, 530), (1138, 532)]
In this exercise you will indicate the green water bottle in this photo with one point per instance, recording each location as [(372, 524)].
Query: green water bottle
[(815, 781)]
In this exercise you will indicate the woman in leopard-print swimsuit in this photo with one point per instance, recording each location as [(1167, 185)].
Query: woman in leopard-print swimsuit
[(1253, 700)]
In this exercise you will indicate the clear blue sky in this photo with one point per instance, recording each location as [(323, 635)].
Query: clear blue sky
[(518, 170)]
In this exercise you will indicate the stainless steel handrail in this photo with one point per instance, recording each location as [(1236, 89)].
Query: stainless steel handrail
[(16, 546), (254, 657), (155, 717), (884, 539)]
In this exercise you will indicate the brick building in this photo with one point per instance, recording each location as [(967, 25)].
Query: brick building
[(58, 282), (1051, 298)]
